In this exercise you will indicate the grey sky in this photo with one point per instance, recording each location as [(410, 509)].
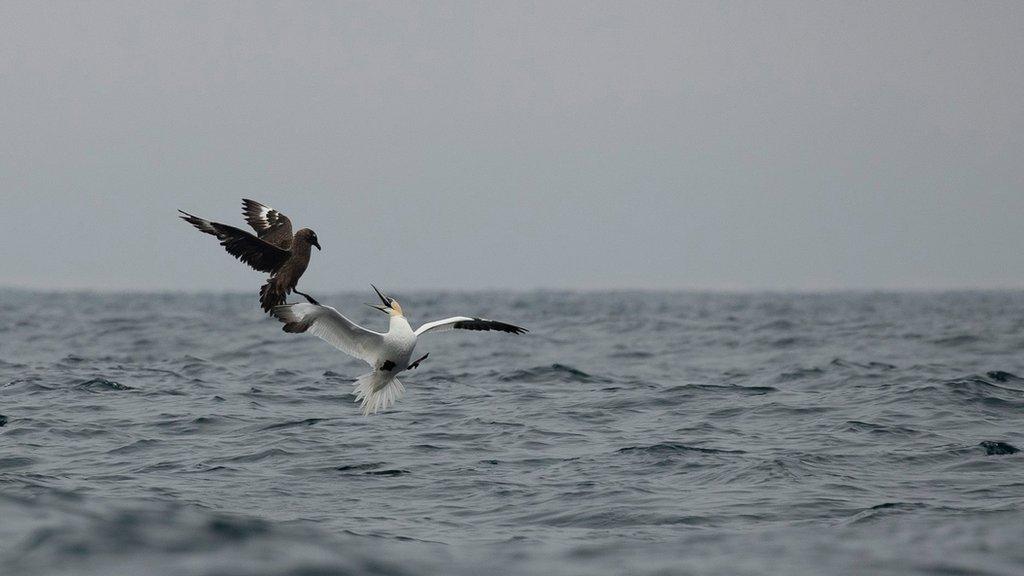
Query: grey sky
[(738, 145)]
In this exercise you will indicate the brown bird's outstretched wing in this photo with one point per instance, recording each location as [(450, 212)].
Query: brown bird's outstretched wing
[(255, 252), (269, 224)]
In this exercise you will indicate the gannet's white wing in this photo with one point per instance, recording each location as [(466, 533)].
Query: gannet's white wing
[(330, 326), (467, 323)]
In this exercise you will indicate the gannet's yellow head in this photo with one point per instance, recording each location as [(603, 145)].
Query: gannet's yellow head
[(390, 306), (396, 308)]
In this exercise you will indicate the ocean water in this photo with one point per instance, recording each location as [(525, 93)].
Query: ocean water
[(627, 433)]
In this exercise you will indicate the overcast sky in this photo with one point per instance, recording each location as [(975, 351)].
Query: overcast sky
[(733, 145)]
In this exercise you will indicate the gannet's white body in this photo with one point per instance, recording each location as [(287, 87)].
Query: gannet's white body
[(388, 353)]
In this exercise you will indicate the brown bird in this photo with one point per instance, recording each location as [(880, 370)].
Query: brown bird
[(273, 250)]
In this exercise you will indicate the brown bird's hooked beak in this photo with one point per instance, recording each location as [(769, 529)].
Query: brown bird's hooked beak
[(317, 244)]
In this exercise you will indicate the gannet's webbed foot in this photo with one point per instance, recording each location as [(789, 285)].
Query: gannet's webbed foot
[(416, 364), (307, 296)]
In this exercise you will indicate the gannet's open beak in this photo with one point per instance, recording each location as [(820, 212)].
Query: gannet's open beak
[(384, 309), (384, 299)]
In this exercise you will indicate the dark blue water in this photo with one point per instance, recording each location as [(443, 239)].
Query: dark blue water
[(632, 433)]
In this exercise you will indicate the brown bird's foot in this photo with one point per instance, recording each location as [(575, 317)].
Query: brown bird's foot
[(416, 364), (308, 297)]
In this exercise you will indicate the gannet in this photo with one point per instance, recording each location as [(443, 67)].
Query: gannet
[(388, 353), (274, 250)]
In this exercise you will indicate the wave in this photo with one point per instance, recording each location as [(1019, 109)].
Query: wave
[(724, 389), (881, 429), (1000, 376), (164, 539), (958, 340), (882, 511), (371, 469), (675, 448), (553, 373), (997, 448), (98, 385), (293, 424)]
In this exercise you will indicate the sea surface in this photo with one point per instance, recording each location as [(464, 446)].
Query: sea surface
[(626, 433)]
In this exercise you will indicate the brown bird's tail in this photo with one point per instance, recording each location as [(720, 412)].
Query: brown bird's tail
[(273, 293)]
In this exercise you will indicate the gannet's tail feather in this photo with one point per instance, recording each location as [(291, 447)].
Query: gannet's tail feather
[(377, 391)]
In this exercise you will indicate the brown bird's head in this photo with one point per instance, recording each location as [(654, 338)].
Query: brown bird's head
[(308, 236), (389, 305)]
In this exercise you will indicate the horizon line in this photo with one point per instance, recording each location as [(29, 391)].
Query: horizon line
[(104, 291)]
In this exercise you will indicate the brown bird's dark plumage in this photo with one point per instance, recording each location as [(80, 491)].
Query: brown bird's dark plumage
[(270, 225), (273, 249)]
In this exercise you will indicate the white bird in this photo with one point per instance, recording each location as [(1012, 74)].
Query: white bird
[(387, 353)]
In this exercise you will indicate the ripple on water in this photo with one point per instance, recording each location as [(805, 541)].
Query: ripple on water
[(554, 372), (293, 424), (675, 448), (99, 385)]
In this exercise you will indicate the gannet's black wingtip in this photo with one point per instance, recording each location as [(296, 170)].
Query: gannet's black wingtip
[(481, 324)]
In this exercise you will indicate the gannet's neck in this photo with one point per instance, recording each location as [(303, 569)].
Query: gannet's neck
[(399, 323)]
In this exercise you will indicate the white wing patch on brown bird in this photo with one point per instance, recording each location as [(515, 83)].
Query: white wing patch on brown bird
[(269, 224)]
